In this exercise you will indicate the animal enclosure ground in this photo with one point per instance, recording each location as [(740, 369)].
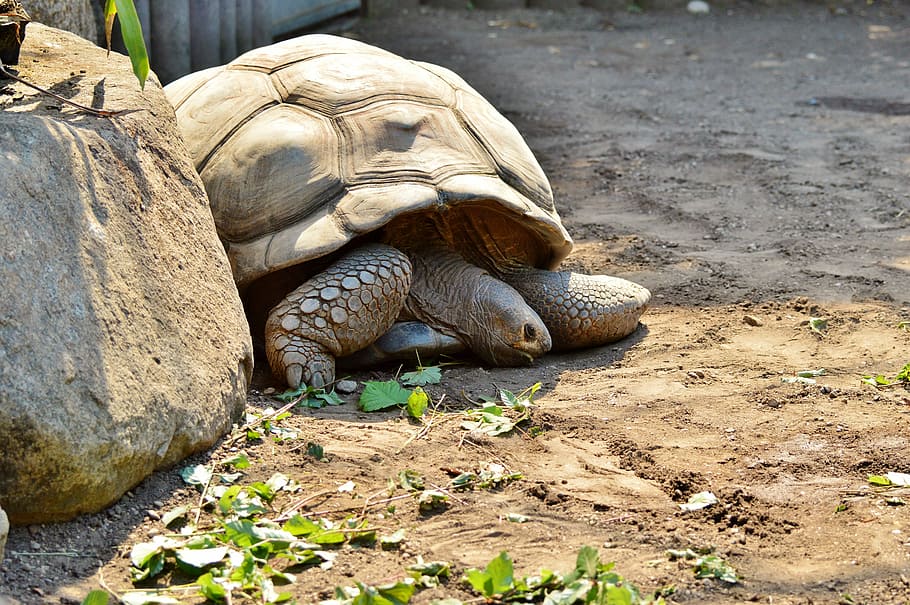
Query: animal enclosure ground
[(751, 168)]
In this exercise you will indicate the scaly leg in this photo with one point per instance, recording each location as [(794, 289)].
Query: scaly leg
[(335, 313)]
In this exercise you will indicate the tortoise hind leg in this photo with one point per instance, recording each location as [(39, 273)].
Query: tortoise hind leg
[(335, 313), (581, 310)]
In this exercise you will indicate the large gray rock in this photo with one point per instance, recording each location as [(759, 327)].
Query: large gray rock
[(123, 344), (81, 17)]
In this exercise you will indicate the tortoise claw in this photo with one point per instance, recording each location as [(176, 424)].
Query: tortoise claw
[(294, 375)]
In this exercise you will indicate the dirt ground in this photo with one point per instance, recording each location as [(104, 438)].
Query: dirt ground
[(751, 168)]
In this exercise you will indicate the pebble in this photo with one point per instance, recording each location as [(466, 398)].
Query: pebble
[(346, 386), (153, 515), (698, 7), (752, 320)]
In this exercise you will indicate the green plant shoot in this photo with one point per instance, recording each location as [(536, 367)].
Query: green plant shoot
[(131, 30)]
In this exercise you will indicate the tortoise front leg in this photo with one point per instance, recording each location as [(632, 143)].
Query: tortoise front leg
[(335, 313), (581, 310)]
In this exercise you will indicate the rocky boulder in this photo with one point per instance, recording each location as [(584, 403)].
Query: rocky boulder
[(82, 17), (123, 344)]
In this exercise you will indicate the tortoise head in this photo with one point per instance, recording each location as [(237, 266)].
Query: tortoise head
[(508, 332)]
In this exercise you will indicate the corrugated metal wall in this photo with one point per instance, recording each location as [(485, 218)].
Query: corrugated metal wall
[(189, 35)]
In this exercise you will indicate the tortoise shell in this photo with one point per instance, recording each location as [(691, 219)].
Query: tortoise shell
[(309, 143)]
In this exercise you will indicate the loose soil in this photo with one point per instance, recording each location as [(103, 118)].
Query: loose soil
[(751, 168)]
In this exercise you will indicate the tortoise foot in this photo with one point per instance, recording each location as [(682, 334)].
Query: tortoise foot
[(335, 313)]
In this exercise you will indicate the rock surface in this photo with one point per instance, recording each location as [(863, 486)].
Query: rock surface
[(123, 344)]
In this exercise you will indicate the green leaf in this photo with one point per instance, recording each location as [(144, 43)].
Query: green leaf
[(200, 558), (172, 515), (96, 597), (522, 401), (240, 461), (501, 574), (489, 421), (464, 480), (151, 567), (588, 562), (300, 526), (422, 376), (574, 592), (430, 499), (146, 597), (196, 475), (904, 374), (517, 518), (411, 481), (712, 566), (619, 595), (331, 398), (315, 450), (392, 540), (292, 394), (436, 569), (818, 324), (263, 490), (876, 381), (480, 581), (381, 395), (417, 404), (209, 588), (131, 30), (879, 480), (903, 325), (399, 593)]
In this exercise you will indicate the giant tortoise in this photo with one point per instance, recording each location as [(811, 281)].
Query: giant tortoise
[(412, 212)]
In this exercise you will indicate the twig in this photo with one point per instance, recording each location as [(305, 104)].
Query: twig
[(448, 492), (242, 430), (364, 507), (202, 495), (104, 585), (286, 514), (59, 553), (422, 432), (103, 113)]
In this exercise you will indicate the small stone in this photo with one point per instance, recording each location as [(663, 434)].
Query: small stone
[(698, 7), (752, 320), (346, 387), (153, 515)]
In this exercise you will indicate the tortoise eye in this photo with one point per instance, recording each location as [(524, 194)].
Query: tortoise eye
[(530, 332)]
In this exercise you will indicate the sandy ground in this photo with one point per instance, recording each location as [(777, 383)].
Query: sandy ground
[(751, 168)]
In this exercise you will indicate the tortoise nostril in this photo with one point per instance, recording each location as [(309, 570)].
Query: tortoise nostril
[(530, 332)]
